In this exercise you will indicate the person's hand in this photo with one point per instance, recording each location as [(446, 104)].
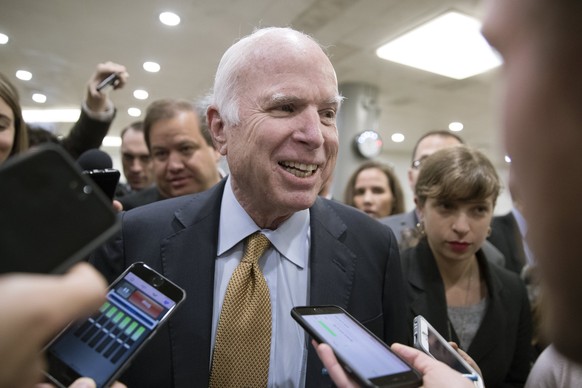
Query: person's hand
[(118, 206), (35, 308), (97, 100), (336, 372), (434, 373), (467, 358), (83, 382)]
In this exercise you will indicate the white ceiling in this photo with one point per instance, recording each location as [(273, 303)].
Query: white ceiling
[(61, 41)]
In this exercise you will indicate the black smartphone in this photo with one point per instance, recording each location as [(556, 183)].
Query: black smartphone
[(50, 213), (110, 80), (106, 179), (100, 347), (358, 350), (427, 339)]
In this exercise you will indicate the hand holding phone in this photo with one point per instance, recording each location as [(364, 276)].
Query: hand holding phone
[(360, 352), (110, 80), (100, 347), (427, 339)]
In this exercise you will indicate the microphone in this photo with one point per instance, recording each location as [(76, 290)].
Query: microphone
[(98, 165), (95, 159)]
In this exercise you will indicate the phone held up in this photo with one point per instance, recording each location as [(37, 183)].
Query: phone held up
[(427, 339), (110, 80), (359, 351), (100, 347)]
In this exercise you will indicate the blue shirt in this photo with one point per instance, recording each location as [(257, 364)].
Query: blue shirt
[(286, 270)]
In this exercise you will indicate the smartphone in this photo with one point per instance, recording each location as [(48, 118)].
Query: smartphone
[(358, 350), (106, 179), (51, 215), (427, 339), (100, 347), (110, 80)]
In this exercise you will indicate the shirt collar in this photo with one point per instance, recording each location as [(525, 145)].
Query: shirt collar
[(290, 239)]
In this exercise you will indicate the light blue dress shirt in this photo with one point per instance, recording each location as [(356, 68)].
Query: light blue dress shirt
[(286, 270)]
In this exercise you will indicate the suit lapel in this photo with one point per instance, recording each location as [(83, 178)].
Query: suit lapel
[(189, 258), (332, 264)]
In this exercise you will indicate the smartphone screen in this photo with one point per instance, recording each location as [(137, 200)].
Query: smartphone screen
[(427, 339), (137, 304), (360, 352)]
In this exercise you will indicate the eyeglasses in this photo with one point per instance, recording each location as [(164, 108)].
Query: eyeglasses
[(416, 163)]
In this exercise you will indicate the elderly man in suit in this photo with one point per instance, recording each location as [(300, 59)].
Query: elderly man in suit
[(273, 115)]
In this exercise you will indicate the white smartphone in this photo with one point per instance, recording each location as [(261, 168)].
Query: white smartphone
[(427, 339), (100, 347), (360, 352)]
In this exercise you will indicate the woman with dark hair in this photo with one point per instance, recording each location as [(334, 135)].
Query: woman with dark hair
[(374, 188), (13, 134), (482, 307)]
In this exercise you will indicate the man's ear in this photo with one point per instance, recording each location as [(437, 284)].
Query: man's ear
[(216, 127), (419, 208)]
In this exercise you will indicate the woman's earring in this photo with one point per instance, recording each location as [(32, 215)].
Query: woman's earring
[(420, 228)]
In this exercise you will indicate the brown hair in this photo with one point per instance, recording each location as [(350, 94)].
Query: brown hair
[(168, 108), (10, 95), (457, 173), (393, 183)]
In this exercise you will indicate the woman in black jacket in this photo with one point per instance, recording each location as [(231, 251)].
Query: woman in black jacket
[(482, 307)]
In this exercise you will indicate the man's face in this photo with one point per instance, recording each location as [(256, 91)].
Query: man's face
[(428, 146), (135, 157), (183, 162), (6, 130), (286, 144), (541, 43)]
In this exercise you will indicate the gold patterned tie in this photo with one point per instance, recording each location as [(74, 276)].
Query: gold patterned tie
[(243, 339)]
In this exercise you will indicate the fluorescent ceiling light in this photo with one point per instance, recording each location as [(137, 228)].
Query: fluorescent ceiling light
[(140, 94), (4, 38), (111, 141), (152, 67), (51, 115), (397, 137), (450, 45), (39, 97), (134, 112), (456, 126)]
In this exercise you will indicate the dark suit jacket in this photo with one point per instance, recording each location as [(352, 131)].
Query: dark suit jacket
[(354, 263), (506, 237), (502, 345), (140, 198)]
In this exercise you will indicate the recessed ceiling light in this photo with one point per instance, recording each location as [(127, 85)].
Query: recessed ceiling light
[(169, 18), (39, 97), (507, 159), (24, 75), (397, 137), (134, 112), (4, 38), (152, 67), (456, 126), (451, 45), (140, 94)]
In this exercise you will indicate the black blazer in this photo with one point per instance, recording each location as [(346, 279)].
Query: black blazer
[(502, 344), (506, 237), (354, 263), (140, 198)]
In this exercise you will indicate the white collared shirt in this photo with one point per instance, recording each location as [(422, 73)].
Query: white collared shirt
[(286, 270)]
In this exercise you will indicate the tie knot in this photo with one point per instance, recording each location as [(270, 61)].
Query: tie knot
[(257, 244)]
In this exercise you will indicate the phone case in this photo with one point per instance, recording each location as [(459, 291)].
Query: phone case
[(139, 302), (51, 213)]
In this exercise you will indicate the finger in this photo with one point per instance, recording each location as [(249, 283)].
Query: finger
[(335, 370)]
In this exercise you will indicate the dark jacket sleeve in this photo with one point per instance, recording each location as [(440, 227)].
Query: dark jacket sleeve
[(87, 133)]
